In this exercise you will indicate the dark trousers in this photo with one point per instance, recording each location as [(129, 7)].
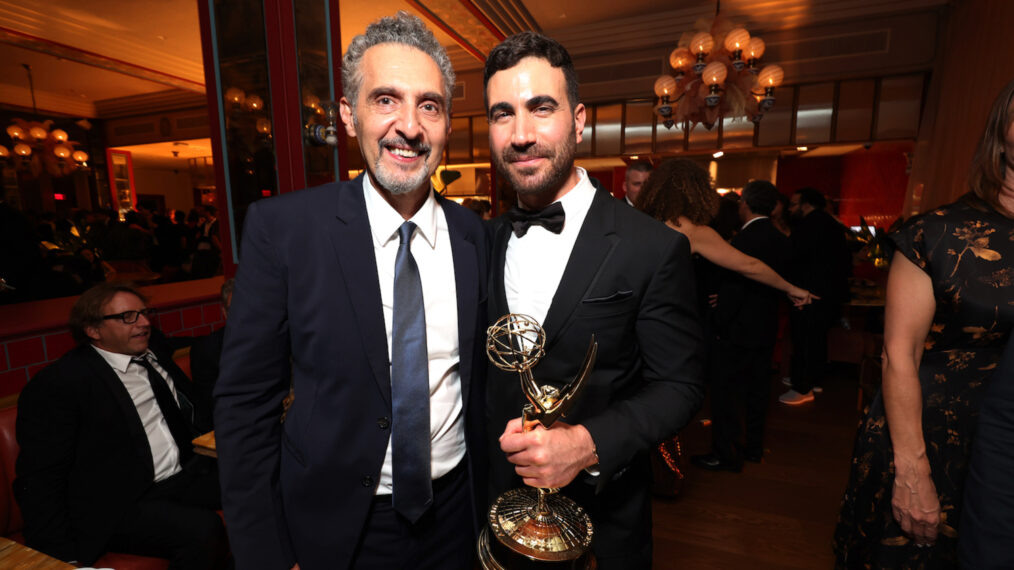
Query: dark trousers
[(444, 538), (740, 388), (621, 516), (176, 519), (809, 343)]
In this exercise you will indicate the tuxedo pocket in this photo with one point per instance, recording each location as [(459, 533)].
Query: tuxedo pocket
[(618, 303), (617, 296)]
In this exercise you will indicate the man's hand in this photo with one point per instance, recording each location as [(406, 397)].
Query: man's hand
[(548, 458)]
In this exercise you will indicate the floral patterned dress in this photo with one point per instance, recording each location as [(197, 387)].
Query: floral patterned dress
[(968, 253)]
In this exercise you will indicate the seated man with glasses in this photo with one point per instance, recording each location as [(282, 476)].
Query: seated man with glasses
[(106, 462)]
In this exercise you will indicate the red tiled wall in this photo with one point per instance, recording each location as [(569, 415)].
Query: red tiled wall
[(22, 357)]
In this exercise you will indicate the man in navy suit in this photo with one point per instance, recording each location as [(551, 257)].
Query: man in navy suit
[(320, 302), (586, 264)]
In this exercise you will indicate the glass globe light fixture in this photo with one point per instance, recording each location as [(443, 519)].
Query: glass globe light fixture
[(15, 132), (700, 45), (21, 149), (679, 59), (735, 42), (80, 156), (38, 133), (59, 135), (714, 74), (769, 78), (61, 151)]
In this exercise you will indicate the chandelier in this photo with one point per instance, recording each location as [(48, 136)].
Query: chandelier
[(716, 74), (39, 147)]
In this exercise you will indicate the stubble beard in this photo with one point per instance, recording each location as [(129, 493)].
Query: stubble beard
[(561, 161)]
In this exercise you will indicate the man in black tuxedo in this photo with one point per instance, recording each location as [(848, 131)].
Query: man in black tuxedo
[(745, 326), (821, 263), (588, 265), (368, 297), (106, 462)]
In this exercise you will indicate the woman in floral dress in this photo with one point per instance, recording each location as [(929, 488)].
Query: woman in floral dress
[(949, 312)]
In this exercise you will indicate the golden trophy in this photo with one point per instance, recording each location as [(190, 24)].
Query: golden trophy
[(534, 528)]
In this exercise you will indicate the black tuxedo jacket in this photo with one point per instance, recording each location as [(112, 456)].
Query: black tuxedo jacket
[(629, 281), (307, 307), (205, 352), (85, 458), (747, 312)]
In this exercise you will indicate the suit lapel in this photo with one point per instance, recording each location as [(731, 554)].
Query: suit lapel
[(595, 242), (353, 247), (135, 428), (498, 293), (466, 284)]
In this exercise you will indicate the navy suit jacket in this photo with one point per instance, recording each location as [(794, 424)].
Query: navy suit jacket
[(307, 308)]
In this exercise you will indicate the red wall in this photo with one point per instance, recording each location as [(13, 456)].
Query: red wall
[(22, 357), (862, 183)]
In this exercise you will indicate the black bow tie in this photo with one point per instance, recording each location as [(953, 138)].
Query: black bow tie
[(551, 217)]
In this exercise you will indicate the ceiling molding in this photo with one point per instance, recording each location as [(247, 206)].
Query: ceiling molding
[(42, 45), (47, 102), (510, 16)]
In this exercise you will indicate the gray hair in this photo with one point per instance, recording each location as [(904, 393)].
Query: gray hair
[(402, 28)]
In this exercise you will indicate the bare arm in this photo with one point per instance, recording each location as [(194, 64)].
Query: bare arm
[(907, 319), (706, 242)]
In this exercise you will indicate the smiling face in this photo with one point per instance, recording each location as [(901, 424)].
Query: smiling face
[(533, 131), (400, 117), (116, 336)]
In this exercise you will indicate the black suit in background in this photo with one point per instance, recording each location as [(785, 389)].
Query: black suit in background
[(629, 282), (205, 352), (986, 539), (821, 264), (746, 326), (85, 474)]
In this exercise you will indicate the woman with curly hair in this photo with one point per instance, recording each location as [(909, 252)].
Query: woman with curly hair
[(679, 193)]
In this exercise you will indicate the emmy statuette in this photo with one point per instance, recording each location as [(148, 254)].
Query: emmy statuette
[(529, 527)]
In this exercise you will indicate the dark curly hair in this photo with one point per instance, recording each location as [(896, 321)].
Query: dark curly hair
[(530, 44), (679, 187)]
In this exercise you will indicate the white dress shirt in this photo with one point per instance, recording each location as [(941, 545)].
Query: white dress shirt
[(164, 453), (535, 263), (431, 248)]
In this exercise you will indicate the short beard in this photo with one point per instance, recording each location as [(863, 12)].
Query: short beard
[(561, 161)]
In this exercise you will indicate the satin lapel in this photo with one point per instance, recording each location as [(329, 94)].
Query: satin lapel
[(497, 292), (466, 283), (357, 264), (134, 426), (595, 242)]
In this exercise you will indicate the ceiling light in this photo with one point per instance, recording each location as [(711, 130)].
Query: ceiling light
[(802, 148), (718, 154), (726, 80)]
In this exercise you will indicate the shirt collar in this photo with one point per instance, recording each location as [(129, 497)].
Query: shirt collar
[(385, 220), (752, 221), (119, 362)]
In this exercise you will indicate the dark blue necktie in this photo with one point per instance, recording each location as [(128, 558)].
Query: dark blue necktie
[(410, 387)]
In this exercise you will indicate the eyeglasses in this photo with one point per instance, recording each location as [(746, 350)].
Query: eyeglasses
[(129, 317)]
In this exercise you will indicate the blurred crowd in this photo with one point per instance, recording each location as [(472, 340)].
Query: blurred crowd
[(52, 255)]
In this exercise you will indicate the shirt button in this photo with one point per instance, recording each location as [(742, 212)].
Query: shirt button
[(384, 422), (367, 481)]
